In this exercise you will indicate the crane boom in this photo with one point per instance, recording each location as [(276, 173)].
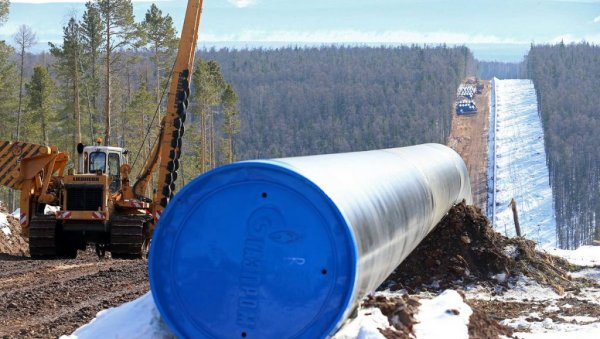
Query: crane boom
[(166, 152)]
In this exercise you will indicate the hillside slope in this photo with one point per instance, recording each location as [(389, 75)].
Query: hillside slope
[(567, 79), (520, 159)]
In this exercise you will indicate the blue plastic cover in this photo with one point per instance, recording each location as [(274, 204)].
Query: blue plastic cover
[(252, 250)]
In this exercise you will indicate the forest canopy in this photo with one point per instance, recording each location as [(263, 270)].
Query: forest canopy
[(336, 99)]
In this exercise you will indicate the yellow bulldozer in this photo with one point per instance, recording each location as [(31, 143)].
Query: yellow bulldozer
[(99, 205)]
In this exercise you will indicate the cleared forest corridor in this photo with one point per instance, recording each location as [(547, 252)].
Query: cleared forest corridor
[(518, 167)]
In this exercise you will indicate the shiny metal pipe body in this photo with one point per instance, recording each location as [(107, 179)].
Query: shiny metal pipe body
[(288, 247)]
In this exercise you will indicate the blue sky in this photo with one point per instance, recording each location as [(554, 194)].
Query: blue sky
[(495, 29)]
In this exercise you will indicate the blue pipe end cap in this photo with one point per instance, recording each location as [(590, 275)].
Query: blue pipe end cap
[(252, 250)]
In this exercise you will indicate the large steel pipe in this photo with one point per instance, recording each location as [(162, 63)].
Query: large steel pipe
[(287, 248)]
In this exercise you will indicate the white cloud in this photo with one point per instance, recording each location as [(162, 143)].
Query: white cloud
[(354, 36), (569, 38), (242, 3), (597, 20)]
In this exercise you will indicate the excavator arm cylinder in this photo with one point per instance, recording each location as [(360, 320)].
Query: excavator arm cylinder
[(287, 248)]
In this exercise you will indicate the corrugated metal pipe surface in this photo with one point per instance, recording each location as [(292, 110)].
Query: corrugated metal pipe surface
[(287, 248)]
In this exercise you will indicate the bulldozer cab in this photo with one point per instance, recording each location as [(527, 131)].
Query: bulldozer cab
[(104, 160)]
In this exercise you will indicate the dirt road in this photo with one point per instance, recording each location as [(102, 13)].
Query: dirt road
[(468, 137), (48, 298)]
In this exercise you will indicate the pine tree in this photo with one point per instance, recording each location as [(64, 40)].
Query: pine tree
[(159, 34), (40, 92), (119, 30), (138, 114), (68, 59), (24, 38), (92, 40), (209, 85), (4, 8), (231, 123), (8, 91)]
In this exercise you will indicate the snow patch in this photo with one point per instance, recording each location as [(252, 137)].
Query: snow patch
[(548, 329), (136, 319), (588, 273), (582, 256), (4, 224), (511, 251), (446, 316), (366, 324), (579, 318), (48, 210), (500, 277), (522, 289)]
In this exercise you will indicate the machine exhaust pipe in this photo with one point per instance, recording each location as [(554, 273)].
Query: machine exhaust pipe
[(288, 247), (79, 165)]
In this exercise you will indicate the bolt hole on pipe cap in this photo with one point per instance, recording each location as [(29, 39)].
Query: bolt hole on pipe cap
[(252, 250)]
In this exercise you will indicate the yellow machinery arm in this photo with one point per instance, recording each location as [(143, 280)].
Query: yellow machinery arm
[(166, 152), (32, 169)]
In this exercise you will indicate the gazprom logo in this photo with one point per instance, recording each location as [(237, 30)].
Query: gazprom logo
[(284, 236)]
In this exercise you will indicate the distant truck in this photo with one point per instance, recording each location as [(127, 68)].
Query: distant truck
[(465, 107)]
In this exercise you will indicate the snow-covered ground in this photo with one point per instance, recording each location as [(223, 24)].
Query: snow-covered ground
[(136, 319), (4, 224), (520, 164), (583, 256)]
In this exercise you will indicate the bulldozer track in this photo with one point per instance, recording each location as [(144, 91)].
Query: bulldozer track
[(42, 236), (127, 237)]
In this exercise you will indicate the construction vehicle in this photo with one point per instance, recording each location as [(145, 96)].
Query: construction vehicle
[(465, 106), (99, 205)]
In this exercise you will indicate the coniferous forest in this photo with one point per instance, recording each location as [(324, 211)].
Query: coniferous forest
[(335, 99), (567, 79), (501, 70)]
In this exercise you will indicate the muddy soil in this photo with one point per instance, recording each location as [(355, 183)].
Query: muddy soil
[(560, 311), (49, 298)]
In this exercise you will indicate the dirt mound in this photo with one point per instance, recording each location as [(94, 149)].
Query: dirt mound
[(399, 311), (11, 242), (463, 248), (482, 326)]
